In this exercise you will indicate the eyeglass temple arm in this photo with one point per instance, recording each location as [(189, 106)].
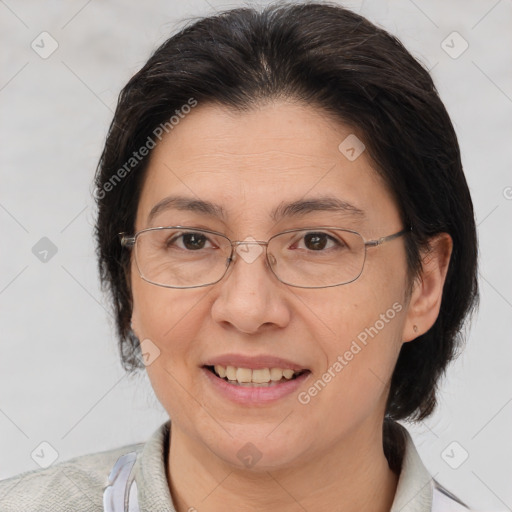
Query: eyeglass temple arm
[(381, 240)]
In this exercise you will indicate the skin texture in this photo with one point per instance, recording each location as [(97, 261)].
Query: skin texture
[(327, 454)]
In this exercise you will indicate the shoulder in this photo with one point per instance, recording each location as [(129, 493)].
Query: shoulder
[(75, 485)]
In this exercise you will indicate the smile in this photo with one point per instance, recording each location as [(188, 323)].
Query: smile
[(252, 387), (257, 377)]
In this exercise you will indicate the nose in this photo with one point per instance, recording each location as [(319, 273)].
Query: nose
[(250, 298)]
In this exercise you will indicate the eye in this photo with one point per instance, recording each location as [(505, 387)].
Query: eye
[(192, 241), (318, 241)]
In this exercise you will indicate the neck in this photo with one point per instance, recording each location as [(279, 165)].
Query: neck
[(351, 476)]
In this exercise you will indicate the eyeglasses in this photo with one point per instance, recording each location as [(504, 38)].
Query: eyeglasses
[(186, 257)]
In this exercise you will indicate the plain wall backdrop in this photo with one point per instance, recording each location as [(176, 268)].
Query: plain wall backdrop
[(60, 376)]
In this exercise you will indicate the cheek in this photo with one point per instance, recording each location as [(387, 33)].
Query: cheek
[(366, 333), (161, 313), (360, 354), (365, 321), (170, 319)]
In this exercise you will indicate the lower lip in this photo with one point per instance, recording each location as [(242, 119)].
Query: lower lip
[(253, 395)]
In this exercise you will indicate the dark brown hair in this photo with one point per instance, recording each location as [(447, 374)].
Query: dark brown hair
[(329, 57)]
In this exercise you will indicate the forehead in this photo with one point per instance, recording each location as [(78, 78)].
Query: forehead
[(253, 165)]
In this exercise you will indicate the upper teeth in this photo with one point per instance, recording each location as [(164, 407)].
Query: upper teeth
[(259, 376)]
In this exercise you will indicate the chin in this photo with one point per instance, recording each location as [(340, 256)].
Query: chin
[(258, 448)]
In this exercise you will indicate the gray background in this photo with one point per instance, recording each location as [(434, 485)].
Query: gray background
[(60, 379)]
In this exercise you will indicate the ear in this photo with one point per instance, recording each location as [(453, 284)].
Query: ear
[(427, 292)]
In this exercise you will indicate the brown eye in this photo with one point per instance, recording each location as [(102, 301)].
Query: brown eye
[(318, 241), (315, 241), (194, 241), (188, 241)]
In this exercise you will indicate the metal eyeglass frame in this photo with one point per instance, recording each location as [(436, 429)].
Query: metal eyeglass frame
[(129, 241)]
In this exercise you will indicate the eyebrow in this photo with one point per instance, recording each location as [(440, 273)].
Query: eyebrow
[(187, 204), (293, 209), (320, 204)]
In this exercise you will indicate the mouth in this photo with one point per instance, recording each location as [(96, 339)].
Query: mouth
[(251, 381), (255, 377)]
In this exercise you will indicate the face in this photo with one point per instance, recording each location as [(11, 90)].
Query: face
[(341, 341)]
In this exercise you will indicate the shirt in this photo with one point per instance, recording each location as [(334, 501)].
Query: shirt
[(78, 485)]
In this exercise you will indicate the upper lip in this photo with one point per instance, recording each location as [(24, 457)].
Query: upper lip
[(254, 362)]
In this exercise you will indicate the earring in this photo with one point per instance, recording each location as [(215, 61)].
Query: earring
[(415, 328)]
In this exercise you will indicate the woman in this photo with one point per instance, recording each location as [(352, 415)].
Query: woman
[(289, 242)]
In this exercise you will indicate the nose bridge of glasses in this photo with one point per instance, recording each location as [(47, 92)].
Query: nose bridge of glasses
[(248, 241), (249, 249)]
